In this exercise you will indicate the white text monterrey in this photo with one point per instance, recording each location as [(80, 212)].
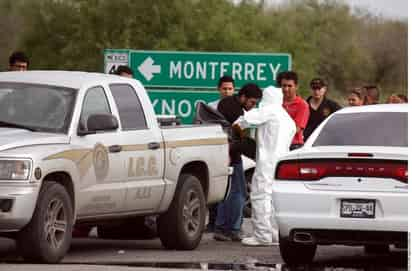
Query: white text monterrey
[(214, 70)]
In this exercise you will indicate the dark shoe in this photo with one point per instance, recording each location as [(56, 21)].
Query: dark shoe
[(219, 236), (235, 236), (209, 229)]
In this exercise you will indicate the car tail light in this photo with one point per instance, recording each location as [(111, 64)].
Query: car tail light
[(288, 171), (401, 173), (299, 171), (312, 170)]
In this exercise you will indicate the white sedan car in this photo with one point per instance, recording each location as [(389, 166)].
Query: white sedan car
[(347, 185)]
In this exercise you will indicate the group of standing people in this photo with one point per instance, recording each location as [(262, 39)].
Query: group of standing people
[(275, 130), (284, 120), (229, 213), (368, 95)]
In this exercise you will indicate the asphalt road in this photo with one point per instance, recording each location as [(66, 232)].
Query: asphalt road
[(96, 254)]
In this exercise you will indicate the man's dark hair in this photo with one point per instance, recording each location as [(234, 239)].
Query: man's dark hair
[(18, 56), (123, 69), (251, 90), (226, 79), (372, 91), (317, 83), (287, 75), (358, 92)]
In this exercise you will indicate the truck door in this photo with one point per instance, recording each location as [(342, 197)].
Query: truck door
[(101, 186), (142, 151)]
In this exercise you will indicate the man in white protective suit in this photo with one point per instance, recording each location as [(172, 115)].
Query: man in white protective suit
[(275, 131)]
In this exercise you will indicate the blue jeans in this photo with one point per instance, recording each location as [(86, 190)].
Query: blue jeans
[(230, 212)]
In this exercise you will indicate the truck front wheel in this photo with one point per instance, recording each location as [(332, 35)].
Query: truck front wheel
[(182, 225), (47, 237)]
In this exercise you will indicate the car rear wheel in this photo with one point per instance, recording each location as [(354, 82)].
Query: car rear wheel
[(295, 253), (182, 225), (47, 237)]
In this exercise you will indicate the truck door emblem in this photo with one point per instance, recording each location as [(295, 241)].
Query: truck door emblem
[(100, 162)]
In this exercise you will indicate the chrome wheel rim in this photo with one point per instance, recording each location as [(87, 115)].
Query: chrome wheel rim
[(191, 213), (56, 223)]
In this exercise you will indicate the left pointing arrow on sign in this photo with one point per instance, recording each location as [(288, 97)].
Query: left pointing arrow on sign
[(147, 69)]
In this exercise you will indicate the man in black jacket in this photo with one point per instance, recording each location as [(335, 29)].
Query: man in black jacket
[(320, 107), (230, 211)]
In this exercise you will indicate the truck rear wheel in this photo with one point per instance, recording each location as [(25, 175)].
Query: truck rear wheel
[(182, 225), (47, 237)]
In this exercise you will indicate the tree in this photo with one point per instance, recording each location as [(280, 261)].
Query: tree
[(325, 38)]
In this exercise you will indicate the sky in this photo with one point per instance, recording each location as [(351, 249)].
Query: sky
[(395, 9), (386, 8)]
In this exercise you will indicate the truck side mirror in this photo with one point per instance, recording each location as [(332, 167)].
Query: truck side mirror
[(99, 122)]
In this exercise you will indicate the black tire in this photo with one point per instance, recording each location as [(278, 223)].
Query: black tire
[(376, 249), (247, 209), (294, 253), (130, 229), (181, 226), (40, 241)]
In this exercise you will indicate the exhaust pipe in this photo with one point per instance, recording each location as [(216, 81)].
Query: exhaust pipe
[(303, 237)]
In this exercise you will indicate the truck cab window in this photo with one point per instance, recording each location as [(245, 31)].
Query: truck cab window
[(95, 102), (130, 109)]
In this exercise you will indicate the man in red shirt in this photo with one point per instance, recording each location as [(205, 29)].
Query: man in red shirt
[(297, 107)]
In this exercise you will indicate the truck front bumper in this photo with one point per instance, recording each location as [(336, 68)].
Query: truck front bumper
[(17, 204)]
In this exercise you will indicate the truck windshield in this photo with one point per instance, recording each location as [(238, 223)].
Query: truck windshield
[(36, 107)]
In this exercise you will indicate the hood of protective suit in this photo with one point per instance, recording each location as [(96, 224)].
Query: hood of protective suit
[(271, 97)]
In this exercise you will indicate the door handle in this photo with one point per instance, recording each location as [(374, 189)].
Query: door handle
[(115, 148), (153, 145)]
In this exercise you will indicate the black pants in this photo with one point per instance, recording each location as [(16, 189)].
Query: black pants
[(212, 217)]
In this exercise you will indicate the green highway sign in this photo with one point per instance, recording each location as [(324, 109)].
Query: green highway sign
[(197, 69), (180, 103)]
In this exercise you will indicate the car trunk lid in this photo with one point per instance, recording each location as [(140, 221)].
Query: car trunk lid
[(363, 169)]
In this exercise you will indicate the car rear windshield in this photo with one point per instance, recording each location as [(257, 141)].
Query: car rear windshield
[(388, 129)]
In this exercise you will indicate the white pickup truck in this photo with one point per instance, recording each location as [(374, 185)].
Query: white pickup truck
[(81, 148)]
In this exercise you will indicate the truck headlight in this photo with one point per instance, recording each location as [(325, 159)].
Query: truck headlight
[(15, 169)]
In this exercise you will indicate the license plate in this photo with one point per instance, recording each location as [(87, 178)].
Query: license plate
[(357, 208)]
